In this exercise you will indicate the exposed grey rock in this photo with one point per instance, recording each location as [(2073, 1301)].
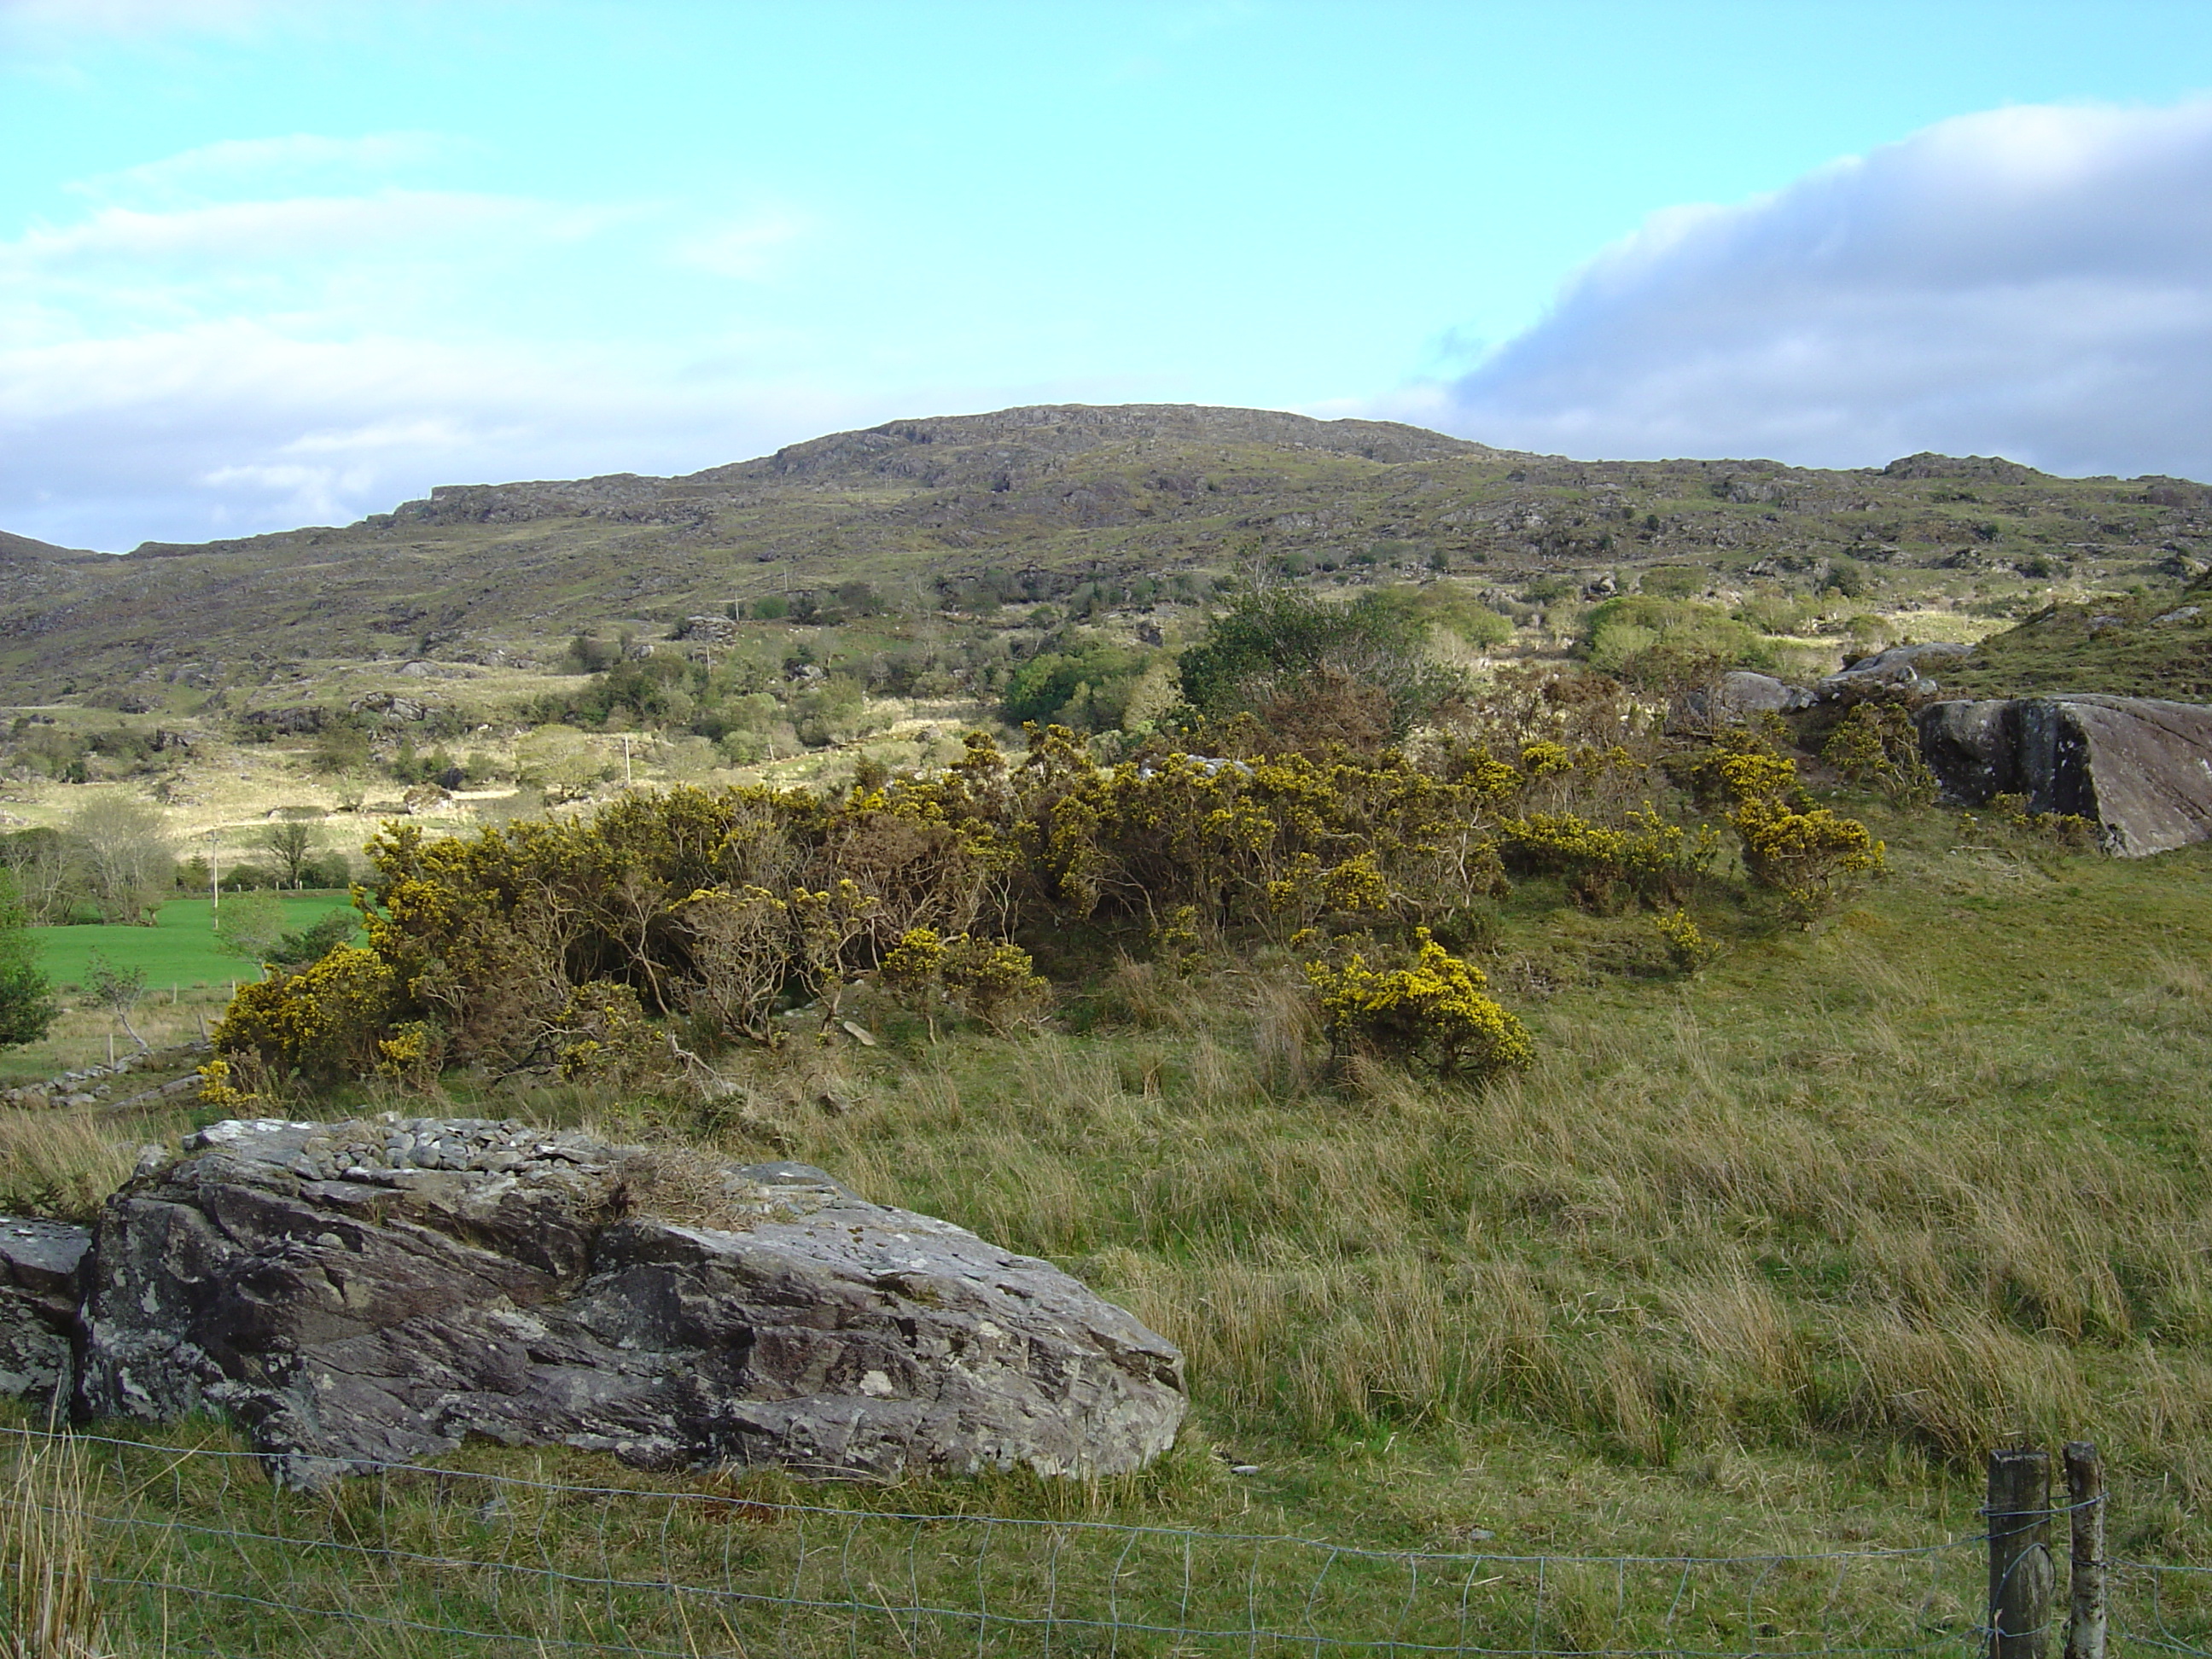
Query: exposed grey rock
[(373, 1291), (1739, 694), (392, 703), (1896, 672), (293, 721), (41, 1269), (2139, 767)]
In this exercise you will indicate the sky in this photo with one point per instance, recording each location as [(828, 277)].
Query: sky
[(267, 263)]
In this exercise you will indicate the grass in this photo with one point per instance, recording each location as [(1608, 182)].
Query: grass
[(1761, 1260), (548, 1551), (179, 949), (2114, 645)]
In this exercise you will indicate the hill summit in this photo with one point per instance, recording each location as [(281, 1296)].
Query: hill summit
[(1065, 495)]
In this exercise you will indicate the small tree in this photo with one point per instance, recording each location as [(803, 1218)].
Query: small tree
[(118, 989), (560, 760), (290, 845), (249, 925), (1275, 647), (27, 999), (315, 940), (128, 863)]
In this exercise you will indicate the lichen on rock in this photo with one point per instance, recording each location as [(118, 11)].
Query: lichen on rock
[(375, 1291)]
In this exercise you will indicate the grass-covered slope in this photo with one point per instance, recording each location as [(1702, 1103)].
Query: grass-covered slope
[(2122, 646)]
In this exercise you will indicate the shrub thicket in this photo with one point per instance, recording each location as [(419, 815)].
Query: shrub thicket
[(721, 908)]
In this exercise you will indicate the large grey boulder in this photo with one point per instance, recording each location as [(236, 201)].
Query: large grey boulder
[(2138, 768), (41, 1282), (369, 1292)]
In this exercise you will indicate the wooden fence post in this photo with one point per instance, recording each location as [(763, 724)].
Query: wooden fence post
[(2085, 1492), (2021, 1578)]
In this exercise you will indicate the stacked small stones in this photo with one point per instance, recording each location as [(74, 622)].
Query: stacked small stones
[(88, 1086)]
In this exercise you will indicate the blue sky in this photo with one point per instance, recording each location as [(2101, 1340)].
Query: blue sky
[(269, 264)]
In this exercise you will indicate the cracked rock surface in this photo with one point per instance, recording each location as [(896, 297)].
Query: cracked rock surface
[(42, 1268), (374, 1291)]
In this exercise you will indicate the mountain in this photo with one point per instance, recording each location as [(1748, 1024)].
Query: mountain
[(1060, 495)]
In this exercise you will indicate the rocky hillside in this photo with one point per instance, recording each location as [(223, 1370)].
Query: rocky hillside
[(1045, 499)]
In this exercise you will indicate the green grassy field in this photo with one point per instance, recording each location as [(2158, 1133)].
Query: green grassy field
[(180, 950)]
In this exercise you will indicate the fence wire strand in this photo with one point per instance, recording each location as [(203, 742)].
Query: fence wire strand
[(199, 1549)]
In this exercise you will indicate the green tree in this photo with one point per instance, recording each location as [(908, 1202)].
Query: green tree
[(316, 941), (249, 925), (1275, 647), (128, 863), (1085, 684), (26, 997), (560, 760), (290, 844)]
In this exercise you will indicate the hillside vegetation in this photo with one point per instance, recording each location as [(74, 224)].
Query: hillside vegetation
[(1093, 510), (1279, 871)]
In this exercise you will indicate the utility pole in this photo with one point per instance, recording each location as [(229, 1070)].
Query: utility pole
[(625, 760), (214, 876)]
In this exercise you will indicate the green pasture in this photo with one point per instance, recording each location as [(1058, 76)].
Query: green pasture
[(180, 949)]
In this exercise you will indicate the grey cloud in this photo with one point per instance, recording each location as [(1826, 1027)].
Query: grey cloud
[(2033, 282)]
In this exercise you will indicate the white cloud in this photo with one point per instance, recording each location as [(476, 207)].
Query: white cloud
[(206, 350), (230, 427), (234, 234), (2033, 282), (264, 166)]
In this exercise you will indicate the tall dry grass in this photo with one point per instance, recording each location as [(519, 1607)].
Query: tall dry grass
[(1831, 1197), (1837, 1213), (46, 1542), (63, 1162)]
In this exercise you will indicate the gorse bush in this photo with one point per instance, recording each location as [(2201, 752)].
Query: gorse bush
[(1431, 1012), (990, 982), (724, 909), (1806, 854), (1877, 744), (325, 1021)]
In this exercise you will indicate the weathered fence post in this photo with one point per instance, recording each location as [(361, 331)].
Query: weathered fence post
[(2021, 1578), (2085, 1493)]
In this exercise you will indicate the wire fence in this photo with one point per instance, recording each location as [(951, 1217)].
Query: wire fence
[(2162, 1608), (196, 1551), (193, 1549)]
